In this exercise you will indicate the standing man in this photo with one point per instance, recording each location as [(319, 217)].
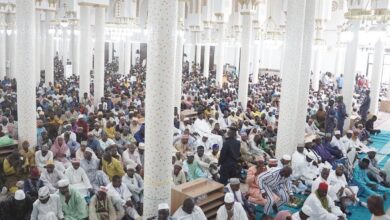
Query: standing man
[(365, 106), (276, 182), (330, 121), (341, 114), (230, 154)]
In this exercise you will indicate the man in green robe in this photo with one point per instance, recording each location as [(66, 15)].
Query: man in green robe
[(73, 205)]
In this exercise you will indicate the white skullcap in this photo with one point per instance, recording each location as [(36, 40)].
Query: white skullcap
[(337, 132), (141, 146), (43, 192), (234, 181), (19, 195), (63, 183), (163, 206), (190, 154), (325, 166), (80, 116), (307, 210), (131, 165), (350, 131), (286, 157), (83, 142), (229, 198)]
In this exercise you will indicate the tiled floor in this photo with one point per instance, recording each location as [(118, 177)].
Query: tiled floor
[(383, 121)]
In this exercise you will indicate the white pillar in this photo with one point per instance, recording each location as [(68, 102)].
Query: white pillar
[(376, 77), (256, 62), (246, 39), (49, 66), (237, 53), (85, 55), (178, 69), (65, 46), (25, 53), (316, 68), (286, 139), (162, 23), (100, 14), (337, 62), (110, 52), (38, 47), (198, 54), (127, 55), (121, 57), (304, 76), (350, 69), (76, 51), (206, 61), (220, 54), (11, 46), (2, 47)]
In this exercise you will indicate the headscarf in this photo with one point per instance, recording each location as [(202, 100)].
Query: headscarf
[(56, 148)]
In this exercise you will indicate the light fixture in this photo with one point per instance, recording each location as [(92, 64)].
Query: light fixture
[(68, 32), (9, 32), (1, 31), (76, 32), (59, 32)]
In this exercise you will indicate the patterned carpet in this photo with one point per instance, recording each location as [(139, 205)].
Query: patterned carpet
[(382, 143)]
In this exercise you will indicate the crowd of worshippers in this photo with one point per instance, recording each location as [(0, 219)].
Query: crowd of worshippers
[(89, 159)]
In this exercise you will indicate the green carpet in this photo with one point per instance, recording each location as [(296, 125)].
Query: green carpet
[(382, 143)]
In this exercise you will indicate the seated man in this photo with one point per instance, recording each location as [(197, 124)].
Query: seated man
[(47, 206), (311, 128), (91, 165), (322, 205), (50, 176), (189, 211), (101, 207), (234, 188), (251, 179), (178, 175), (342, 192), (121, 197), (134, 183), (303, 214), (374, 171), (366, 186), (376, 207), (192, 168), (276, 181), (17, 207), (111, 166), (33, 184), (72, 203), (206, 162), (42, 156), (12, 168), (231, 210), (78, 179), (370, 125)]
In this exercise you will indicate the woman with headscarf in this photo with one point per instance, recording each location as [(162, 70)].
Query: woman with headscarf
[(61, 151)]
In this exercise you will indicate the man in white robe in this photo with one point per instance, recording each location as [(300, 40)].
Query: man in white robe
[(303, 214), (121, 197), (134, 183), (78, 179), (189, 211), (338, 142), (50, 176), (328, 210), (47, 207), (131, 153), (231, 210)]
